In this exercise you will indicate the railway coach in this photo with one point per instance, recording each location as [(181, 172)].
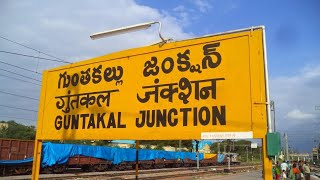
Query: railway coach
[(17, 157)]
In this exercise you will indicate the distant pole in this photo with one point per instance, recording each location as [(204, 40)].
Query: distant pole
[(197, 149), (274, 115), (247, 154), (179, 145), (260, 149), (287, 146), (219, 148), (232, 145), (229, 158), (251, 155), (137, 158)]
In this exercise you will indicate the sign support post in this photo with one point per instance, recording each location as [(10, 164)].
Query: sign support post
[(36, 159), (267, 163)]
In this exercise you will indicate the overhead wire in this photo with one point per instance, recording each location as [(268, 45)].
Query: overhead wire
[(32, 49), (20, 75), (18, 108), (19, 67), (27, 55), (12, 94), (16, 118), (19, 80)]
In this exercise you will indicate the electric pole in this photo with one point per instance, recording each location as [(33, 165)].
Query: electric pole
[(273, 109), (286, 148), (247, 154), (197, 150)]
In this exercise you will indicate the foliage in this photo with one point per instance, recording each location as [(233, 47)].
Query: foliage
[(17, 131), (173, 143), (159, 147), (241, 147), (84, 142), (147, 146), (102, 143)]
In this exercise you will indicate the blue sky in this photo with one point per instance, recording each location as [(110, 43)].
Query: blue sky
[(62, 29), (292, 26)]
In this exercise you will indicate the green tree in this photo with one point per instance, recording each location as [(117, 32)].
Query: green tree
[(159, 147), (148, 146), (17, 131), (173, 143), (103, 143)]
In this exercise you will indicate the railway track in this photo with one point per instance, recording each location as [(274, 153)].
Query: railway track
[(150, 174)]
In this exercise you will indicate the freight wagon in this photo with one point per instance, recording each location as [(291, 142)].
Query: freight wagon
[(16, 158)]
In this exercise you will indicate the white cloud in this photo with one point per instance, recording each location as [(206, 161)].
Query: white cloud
[(231, 7), (62, 29), (298, 114), (295, 100), (296, 97), (203, 5)]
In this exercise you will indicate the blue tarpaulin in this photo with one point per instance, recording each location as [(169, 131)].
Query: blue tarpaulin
[(59, 153), (14, 162), (221, 157)]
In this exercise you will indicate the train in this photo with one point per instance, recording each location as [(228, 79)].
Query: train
[(16, 157)]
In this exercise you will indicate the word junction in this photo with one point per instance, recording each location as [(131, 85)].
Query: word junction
[(149, 118)]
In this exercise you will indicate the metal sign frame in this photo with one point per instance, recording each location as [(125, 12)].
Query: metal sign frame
[(255, 112)]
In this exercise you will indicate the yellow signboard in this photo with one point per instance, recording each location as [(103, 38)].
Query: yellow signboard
[(179, 90)]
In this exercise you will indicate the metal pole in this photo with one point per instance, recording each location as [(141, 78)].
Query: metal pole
[(251, 155), (274, 116), (137, 158), (219, 148), (233, 145), (229, 161), (197, 149), (260, 153), (179, 145), (287, 146), (247, 154), (229, 158), (267, 80)]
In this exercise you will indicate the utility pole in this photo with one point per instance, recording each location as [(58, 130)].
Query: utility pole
[(229, 158), (260, 149), (251, 155), (286, 148), (219, 148), (197, 149), (247, 154), (273, 109), (233, 145)]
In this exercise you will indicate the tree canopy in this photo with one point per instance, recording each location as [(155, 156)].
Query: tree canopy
[(242, 147), (174, 143), (17, 131)]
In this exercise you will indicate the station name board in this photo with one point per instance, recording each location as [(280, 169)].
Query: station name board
[(177, 91)]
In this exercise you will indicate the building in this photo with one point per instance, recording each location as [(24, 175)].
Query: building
[(3, 125), (315, 154), (204, 146)]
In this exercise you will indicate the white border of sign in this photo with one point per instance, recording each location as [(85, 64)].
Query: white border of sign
[(227, 135)]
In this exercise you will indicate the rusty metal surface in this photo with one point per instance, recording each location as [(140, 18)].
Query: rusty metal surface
[(12, 149)]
